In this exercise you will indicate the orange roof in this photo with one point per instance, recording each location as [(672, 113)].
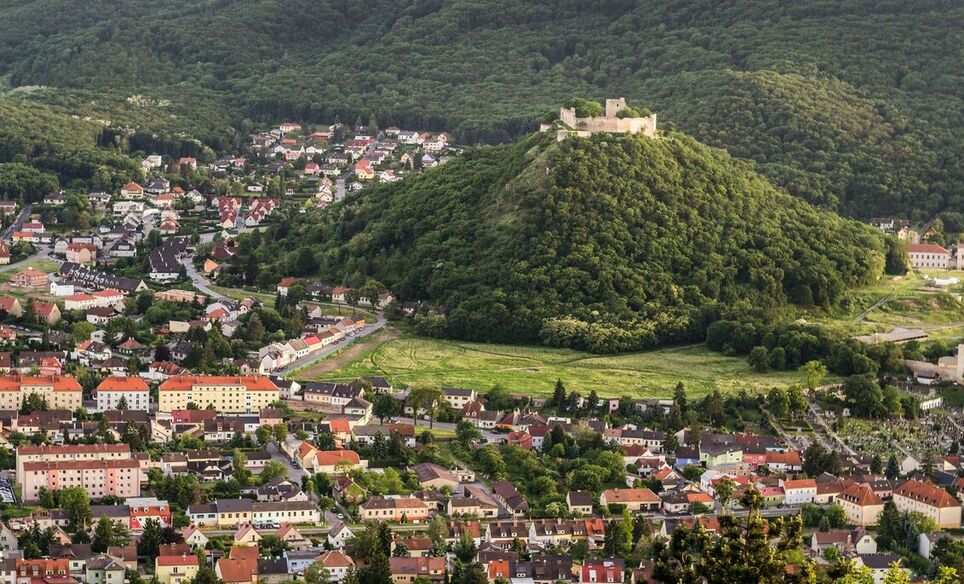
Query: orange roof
[(333, 457), (790, 457), (699, 497), (132, 186), (335, 559), (630, 496), (182, 560), (925, 248), (59, 382), (800, 484), (107, 293), (861, 495), (187, 382), (32, 272), (927, 494), (114, 383), (43, 308), (238, 570), (79, 298), (339, 426)]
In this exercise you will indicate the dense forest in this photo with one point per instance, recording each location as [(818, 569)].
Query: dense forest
[(854, 105), (609, 244)]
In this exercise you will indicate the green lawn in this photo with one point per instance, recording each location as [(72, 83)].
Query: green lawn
[(534, 370), (47, 266)]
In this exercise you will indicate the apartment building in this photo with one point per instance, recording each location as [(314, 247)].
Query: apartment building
[(60, 392), (115, 391), (931, 501), (861, 504), (70, 453), (229, 395), (121, 478)]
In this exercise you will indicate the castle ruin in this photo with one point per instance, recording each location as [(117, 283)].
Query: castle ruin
[(608, 123)]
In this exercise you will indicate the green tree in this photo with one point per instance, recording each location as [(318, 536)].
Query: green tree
[(103, 535), (150, 540), (813, 373), (264, 435), (76, 503), (272, 546)]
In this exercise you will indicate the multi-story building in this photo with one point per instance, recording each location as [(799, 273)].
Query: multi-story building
[(134, 392), (175, 569), (232, 395), (861, 504), (931, 501), (70, 453), (100, 478), (799, 491), (59, 391), (458, 397), (928, 255)]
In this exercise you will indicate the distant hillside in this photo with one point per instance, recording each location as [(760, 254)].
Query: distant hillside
[(855, 105), (610, 243)]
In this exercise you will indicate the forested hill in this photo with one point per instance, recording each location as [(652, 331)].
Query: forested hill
[(611, 243), (851, 104)]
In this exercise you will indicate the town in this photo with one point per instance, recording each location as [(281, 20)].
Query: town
[(157, 424)]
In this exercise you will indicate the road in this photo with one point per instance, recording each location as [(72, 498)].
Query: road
[(199, 281), (17, 222), (41, 253)]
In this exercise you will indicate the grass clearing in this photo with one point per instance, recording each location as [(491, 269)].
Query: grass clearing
[(533, 370), (41, 265)]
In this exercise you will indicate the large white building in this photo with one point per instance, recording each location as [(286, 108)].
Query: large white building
[(133, 391), (931, 501), (928, 255)]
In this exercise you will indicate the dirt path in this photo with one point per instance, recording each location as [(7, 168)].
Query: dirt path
[(348, 355)]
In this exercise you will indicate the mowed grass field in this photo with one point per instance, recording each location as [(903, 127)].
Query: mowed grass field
[(534, 370)]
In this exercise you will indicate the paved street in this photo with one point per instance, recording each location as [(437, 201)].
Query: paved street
[(17, 222), (199, 281)]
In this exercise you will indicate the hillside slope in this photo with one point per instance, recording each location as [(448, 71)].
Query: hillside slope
[(610, 243), (798, 87)]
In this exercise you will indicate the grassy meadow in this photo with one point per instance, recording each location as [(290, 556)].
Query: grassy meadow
[(534, 370)]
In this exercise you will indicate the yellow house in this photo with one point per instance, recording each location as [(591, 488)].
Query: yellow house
[(175, 569), (861, 504)]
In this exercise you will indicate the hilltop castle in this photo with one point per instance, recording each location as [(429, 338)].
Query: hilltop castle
[(609, 123)]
